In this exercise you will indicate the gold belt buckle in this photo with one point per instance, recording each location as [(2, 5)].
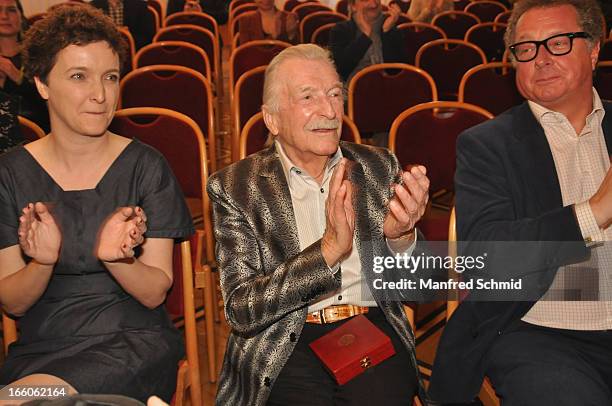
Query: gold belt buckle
[(322, 316)]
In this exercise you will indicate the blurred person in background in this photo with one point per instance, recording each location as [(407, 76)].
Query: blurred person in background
[(12, 81), (218, 9), (425, 10), (268, 22), (368, 38)]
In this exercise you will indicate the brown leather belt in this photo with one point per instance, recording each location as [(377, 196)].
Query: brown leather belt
[(335, 313)]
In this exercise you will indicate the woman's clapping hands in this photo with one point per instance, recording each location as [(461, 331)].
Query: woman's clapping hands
[(39, 236), (121, 233)]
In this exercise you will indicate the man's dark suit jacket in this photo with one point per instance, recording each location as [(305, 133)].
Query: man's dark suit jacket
[(506, 190), (348, 45), (135, 18)]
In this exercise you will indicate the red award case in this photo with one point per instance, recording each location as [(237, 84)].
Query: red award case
[(352, 348)]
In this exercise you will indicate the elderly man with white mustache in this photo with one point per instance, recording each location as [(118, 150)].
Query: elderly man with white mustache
[(297, 227)]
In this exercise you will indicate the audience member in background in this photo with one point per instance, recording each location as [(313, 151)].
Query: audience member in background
[(268, 22), (132, 14), (12, 81), (218, 9), (87, 222), (10, 135), (539, 172), (425, 10), (403, 5), (368, 38)]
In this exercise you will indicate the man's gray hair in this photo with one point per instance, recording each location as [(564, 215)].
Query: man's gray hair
[(590, 17), (272, 83)]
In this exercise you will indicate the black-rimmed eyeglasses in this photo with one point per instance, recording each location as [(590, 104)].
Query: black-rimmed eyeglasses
[(559, 44)]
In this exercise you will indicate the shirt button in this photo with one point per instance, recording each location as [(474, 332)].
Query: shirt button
[(322, 190), (292, 337), (267, 381), (340, 297)]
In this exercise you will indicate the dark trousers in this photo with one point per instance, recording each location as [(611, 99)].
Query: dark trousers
[(304, 381), (533, 365)]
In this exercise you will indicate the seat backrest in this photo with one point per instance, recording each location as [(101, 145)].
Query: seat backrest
[(174, 53), (455, 23), (176, 88), (603, 80), (30, 131), (460, 5), (417, 34), (315, 20), (176, 136), (306, 8), (446, 60), (236, 3), (233, 21), (485, 10), (128, 64), (247, 101), (193, 18), (185, 265), (491, 86), (350, 132), (453, 302), (195, 35), (153, 19), (254, 136), (291, 4), (378, 93), (503, 17), (426, 134), (9, 331), (251, 55), (156, 4), (490, 38), (235, 24), (183, 145), (320, 36)]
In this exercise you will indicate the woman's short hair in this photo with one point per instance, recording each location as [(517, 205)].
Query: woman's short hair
[(590, 17), (64, 26)]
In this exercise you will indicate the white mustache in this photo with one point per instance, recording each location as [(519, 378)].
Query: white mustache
[(324, 125)]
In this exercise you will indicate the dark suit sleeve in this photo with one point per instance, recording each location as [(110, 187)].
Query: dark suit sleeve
[(347, 49), (490, 201), (255, 297), (138, 22), (485, 199)]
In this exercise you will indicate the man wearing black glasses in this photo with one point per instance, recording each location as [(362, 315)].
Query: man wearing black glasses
[(539, 172)]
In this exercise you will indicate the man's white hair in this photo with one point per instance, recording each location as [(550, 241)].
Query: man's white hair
[(272, 83)]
